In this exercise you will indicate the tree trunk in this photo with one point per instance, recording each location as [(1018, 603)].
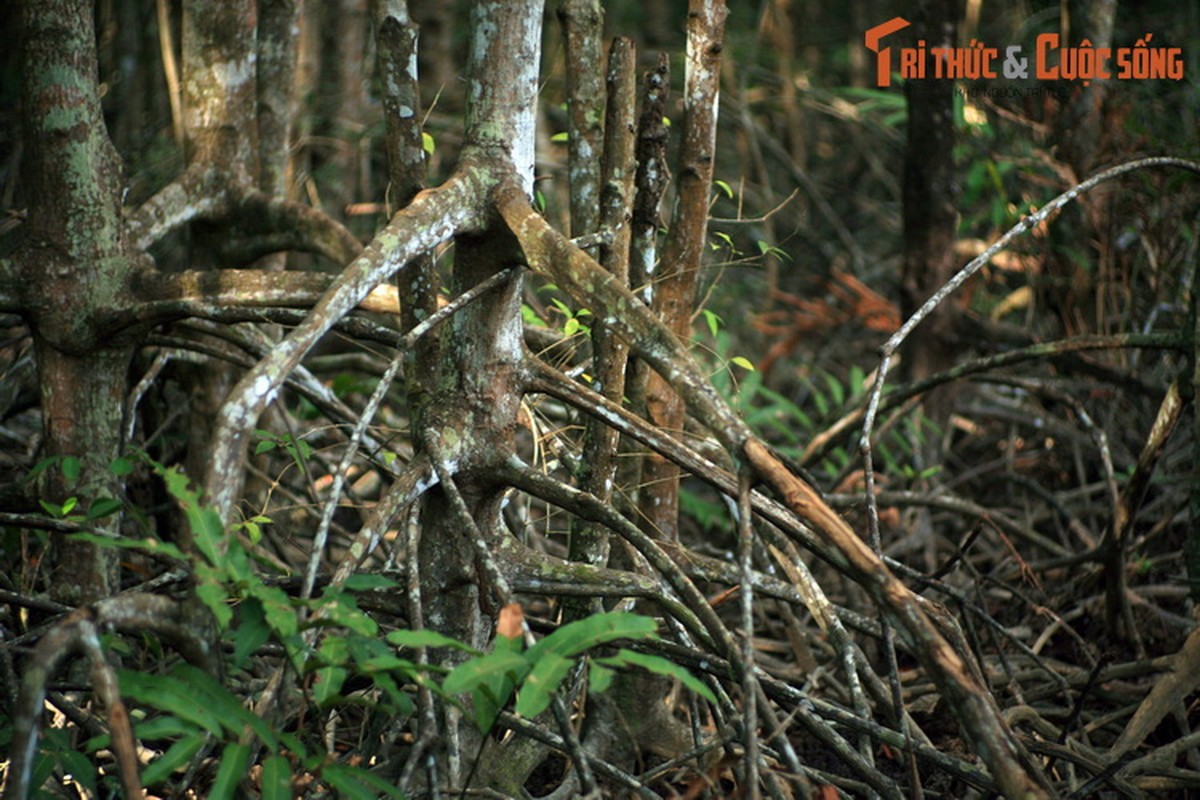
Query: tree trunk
[(73, 267), (930, 220)]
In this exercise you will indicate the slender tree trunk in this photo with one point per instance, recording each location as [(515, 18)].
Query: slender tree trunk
[(675, 289), (1074, 283), (930, 217), (73, 266)]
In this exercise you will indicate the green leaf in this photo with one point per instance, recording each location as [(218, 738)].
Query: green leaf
[(402, 704), (858, 380), (253, 527), (234, 716), (365, 583), (71, 467), (277, 608), (426, 638), (252, 632), (341, 609), (560, 137), (276, 778), (661, 666), (600, 677), (742, 362), (121, 466), (358, 784), (154, 729), (470, 674), (724, 187), (427, 143), (328, 686), (145, 545), (712, 320), (103, 507), (41, 466), (79, 766), (232, 769), (541, 683), (213, 595), (571, 327), (581, 635), (53, 509), (168, 694), (179, 754), (836, 390), (207, 531)]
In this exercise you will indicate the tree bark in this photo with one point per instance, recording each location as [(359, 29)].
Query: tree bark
[(674, 293), (73, 267), (931, 219)]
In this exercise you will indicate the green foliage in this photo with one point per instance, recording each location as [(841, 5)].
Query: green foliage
[(72, 471), (572, 323), (537, 673), (297, 448), (183, 713), (185, 710)]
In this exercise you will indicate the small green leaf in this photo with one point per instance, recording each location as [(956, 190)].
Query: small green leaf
[(168, 694), (836, 390), (358, 784), (182, 752), (600, 677), (233, 766), (341, 609), (121, 466), (329, 684), (712, 320), (79, 767), (724, 187), (426, 638), (71, 467), (213, 595), (858, 380), (103, 507), (742, 362), (576, 637), (427, 143), (252, 631), (661, 666), (41, 466), (470, 674), (362, 582), (147, 545), (560, 137), (541, 683), (571, 327), (276, 778)]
